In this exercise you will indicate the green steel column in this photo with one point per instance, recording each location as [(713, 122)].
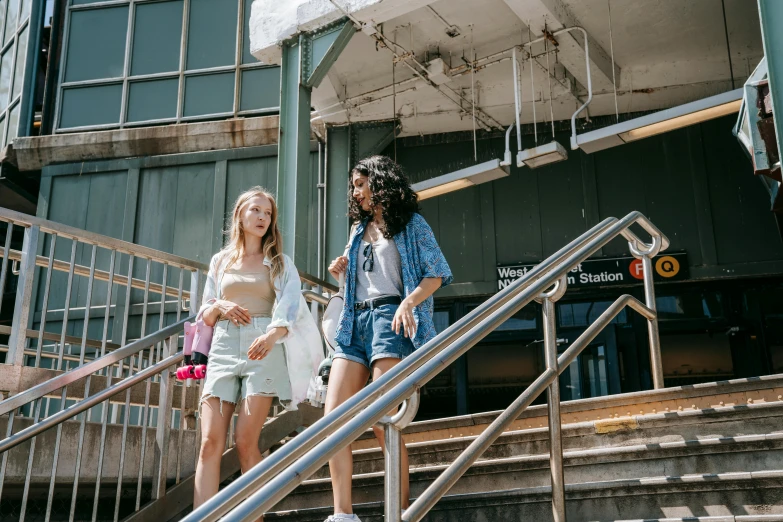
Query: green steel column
[(306, 60), (293, 160), (338, 154), (771, 17)]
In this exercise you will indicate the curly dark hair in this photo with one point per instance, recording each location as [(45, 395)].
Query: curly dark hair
[(390, 189)]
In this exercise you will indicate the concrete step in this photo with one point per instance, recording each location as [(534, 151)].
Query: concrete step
[(747, 453), (735, 392), (642, 429), (724, 497)]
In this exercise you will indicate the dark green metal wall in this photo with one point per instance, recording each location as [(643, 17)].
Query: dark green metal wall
[(176, 204), (695, 184)]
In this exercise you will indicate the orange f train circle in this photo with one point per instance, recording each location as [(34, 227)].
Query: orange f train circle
[(667, 266)]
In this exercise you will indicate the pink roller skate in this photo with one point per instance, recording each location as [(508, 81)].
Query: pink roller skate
[(198, 341)]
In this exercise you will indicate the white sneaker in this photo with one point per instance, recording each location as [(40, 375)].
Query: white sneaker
[(342, 517)]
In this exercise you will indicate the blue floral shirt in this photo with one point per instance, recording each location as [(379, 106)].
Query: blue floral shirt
[(420, 257)]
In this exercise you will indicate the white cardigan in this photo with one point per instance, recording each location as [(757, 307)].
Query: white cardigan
[(303, 343)]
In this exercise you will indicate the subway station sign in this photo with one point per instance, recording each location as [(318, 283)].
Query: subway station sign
[(609, 272)]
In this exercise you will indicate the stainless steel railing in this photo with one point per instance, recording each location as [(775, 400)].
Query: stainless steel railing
[(261, 488), (142, 290), (72, 280)]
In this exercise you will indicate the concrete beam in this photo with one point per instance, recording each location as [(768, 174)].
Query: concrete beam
[(272, 22), (554, 15), (34, 153)]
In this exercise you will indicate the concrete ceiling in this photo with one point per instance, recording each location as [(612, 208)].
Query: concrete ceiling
[(667, 52)]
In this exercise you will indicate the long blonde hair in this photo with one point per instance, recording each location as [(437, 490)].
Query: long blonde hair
[(271, 243)]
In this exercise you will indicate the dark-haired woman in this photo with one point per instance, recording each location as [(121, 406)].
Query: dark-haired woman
[(392, 266)]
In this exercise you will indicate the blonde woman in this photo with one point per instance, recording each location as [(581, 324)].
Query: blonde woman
[(265, 342)]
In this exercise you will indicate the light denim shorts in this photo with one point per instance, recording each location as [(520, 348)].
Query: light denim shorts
[(373, 338), (232, 377)]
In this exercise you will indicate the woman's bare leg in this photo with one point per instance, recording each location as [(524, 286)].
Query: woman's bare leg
[(346, 379), (214, 428), (252, 416)]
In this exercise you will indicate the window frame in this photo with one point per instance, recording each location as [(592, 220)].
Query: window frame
[(181, 73)]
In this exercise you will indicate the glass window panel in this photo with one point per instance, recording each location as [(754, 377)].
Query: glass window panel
[(212, 33), (79, 2), (246, 56), (157, 33), (12, 16), (21, 58), (525, 319), (13, 124), (260, 89), (96, 44), (5, 77), (153, 100), (26, 5), (209, 94), (692, 305), (93, 105)]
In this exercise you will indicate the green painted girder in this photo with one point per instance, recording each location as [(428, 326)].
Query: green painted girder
[(326, 45), (771, 18), (306, 59)]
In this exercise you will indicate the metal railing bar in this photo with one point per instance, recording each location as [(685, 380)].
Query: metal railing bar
[(314, 281), (88, 403), (6, 249), (30, 457), (86, 236), (471, 454), (109, 293), (146, 410), (162, 313), (45, 304), (50, 336), (316, 297), (83, 422), (100, 275), (8, 432), (249, 482), (46, 388), (66, 306), (55, 458)]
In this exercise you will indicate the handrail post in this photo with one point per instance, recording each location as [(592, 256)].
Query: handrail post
[(548, 300), (24, 295), (163, 429), (656, 363), (392, 456)]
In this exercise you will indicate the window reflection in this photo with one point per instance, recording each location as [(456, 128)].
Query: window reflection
[(693, 305)]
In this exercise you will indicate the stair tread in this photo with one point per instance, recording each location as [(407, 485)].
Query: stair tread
[(773, 479), (641, 452)]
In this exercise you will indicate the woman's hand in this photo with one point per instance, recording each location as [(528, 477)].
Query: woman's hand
[(338, 267), (232, 311), (403, 319), (261, 347)]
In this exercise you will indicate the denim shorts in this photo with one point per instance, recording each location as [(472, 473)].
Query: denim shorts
[(232, 377), (373, 337)]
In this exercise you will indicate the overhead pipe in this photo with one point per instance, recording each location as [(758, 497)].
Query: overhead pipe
[(574, 144)]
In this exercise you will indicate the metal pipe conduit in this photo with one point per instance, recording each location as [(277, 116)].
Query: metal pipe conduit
[(403, 380), (249, 482)]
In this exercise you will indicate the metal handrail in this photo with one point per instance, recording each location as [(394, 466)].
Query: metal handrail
[(89, 402), (110, 359), (102, 275), (277, 475)]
